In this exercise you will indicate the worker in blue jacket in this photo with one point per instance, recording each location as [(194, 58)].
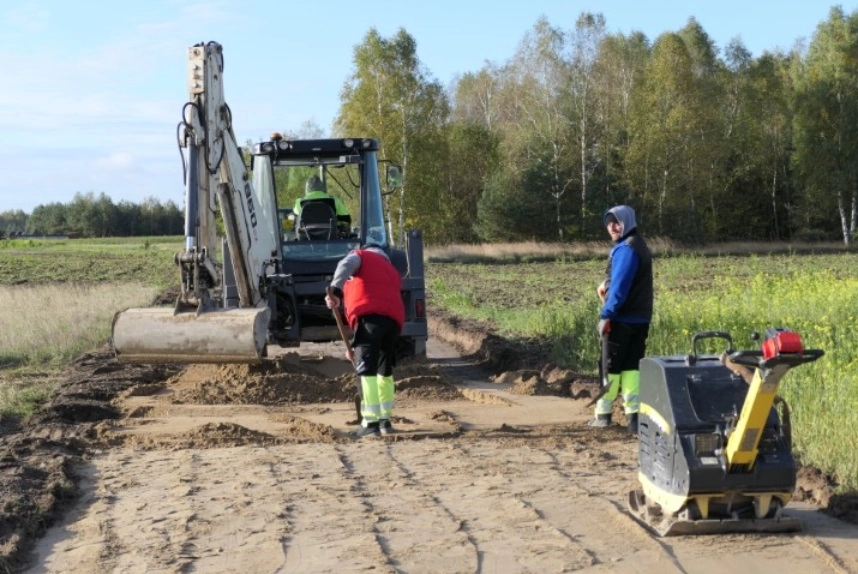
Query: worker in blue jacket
[(625, 314)]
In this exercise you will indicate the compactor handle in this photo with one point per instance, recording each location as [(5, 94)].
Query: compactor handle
[(755, 359), (691, 359)]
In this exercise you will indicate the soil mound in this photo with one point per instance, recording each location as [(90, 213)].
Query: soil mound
[(550, 381), (291, 380), (427, 388), (267, 384), (224, 435)]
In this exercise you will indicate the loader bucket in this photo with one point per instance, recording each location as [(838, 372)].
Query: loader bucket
[(160, 335)]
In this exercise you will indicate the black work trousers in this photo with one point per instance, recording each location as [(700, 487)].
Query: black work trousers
[(374, 344), (626, 346)]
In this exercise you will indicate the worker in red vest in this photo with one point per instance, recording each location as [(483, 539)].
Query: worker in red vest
[(369, 287)]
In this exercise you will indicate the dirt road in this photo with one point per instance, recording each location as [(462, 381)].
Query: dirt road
[(237, 469)]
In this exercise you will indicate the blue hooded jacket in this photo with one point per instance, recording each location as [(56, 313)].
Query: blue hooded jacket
[(628, 276)]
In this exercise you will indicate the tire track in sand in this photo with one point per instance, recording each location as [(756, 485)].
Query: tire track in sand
[(472, 487), (418, 532)]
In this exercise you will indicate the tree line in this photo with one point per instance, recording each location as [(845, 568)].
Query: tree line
[(88, 215), (707, 144)]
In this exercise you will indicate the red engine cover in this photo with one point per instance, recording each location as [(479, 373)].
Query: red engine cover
[(782, 342)]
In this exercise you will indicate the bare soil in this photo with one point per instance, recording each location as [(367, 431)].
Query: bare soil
[(252, 469)]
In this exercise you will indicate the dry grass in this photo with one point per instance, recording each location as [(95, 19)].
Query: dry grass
[(525, 250), (535, 251), (42, 327), (57, 316)]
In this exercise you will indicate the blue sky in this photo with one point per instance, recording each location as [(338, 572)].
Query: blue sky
[(91, 92)]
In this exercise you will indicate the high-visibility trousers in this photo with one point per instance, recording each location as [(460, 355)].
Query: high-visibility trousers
[(376, 398), (627, 382)]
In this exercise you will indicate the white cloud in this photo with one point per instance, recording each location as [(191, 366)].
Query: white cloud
[(131, 88)]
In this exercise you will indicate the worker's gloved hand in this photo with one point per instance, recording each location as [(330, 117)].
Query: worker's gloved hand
[(603, 328), (332, 301)]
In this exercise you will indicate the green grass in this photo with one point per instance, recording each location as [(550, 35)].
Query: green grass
[(146, 260), (815, 295)]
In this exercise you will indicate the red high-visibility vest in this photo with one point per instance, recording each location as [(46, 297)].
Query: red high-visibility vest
[(375, 289)]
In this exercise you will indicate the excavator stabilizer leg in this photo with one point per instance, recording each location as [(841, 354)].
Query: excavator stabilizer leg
[(159, 335)]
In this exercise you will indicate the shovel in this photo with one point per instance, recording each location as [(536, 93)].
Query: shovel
[(342, 328), (349, 353), (602, 292), (603, 371)]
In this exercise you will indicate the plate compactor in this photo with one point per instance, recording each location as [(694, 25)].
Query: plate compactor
[(714, 455)]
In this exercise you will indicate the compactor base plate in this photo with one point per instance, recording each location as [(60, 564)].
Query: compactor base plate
[(650, 515)]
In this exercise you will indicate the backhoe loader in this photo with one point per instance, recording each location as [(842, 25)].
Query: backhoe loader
[(264, 283)]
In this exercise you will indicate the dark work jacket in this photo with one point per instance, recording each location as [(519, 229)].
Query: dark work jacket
[(629, 281)]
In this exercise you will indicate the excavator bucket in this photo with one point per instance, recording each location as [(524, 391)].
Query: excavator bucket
[(160, 335)]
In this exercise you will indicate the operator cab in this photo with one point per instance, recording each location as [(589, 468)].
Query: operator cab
[(348, 170)]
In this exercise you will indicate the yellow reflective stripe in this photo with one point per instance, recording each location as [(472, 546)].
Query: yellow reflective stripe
[(604, 406), (385, 395), (655, 417)]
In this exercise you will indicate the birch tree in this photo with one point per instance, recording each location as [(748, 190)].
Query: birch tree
[(391, 97), (826, 122)]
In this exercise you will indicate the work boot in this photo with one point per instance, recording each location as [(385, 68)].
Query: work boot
[(385, 427), (369, 431), (601, 421), (633, 422)]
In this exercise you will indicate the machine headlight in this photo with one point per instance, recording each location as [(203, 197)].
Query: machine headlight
[(349, 143)]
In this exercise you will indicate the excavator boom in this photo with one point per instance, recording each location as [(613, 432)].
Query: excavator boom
[(199, 329)]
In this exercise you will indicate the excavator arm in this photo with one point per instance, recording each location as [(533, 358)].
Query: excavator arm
[(199, 329), (215, 160)]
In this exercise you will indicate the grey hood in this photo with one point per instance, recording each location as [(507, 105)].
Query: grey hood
[(625, 215)]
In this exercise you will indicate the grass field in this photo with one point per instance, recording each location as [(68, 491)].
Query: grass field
[(139, 259), (59, 297)]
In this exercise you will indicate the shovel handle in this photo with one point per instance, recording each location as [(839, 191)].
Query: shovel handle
[(339, 319), (603, 371)]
